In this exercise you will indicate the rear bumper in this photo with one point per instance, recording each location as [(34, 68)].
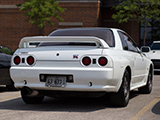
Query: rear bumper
[(156, 65), (5, 81), (5, 77), (101, 78)]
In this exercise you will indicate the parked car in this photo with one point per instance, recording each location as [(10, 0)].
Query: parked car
[(153, 53), (81, 61), (5, 64)]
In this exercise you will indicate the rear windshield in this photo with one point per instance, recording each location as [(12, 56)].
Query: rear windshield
[(104, 34), (155, 46)]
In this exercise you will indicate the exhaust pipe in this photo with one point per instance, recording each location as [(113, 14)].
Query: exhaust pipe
[(29, 92)]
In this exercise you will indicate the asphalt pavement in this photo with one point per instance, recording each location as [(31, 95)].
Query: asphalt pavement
[(140, 107)]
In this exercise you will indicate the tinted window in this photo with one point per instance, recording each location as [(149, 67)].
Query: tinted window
[(127, 42), (155, 46), (104, 34), (124, 42)]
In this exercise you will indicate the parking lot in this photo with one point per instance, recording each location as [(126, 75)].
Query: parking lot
[(141, 107)]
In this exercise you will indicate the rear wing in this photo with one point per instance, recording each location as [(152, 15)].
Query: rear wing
[(28, 42)]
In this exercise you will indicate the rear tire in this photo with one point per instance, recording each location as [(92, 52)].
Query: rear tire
[(121, 98), (148, 87), (32, 99)]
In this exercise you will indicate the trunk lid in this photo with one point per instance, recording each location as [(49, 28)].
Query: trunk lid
[(50, 53)]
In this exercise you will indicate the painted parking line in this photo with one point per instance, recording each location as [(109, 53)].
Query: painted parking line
[(9, 98), (145, 109)]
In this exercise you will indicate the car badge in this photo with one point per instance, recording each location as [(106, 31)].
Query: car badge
[(75, 56)]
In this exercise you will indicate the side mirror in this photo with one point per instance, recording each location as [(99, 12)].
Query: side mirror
[(145, 49)]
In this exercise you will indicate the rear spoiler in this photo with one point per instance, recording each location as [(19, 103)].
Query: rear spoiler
[(28, 42)]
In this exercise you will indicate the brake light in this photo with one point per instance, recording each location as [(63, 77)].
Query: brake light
[(86, 61), (102, 61), (17, 60), (30, 60)]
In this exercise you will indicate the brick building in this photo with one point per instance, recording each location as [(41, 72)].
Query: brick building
[(78, 13)]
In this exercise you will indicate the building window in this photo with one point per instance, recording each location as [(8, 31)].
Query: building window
[(152, 32)]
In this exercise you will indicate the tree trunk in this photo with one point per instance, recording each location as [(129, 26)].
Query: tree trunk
[(145, 26), (42, 31)]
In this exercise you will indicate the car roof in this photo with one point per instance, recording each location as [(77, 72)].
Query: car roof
[(86, 28)]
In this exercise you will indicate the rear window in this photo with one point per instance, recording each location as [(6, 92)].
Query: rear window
[(155, 46), (104, 34)]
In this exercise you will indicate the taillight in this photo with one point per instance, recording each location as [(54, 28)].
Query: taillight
[(17, 60), (86, 61), (102, 61), (30, 60)]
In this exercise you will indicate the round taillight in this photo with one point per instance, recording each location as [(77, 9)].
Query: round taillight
[(30, 60), (102, 61), (17, 60), (86, 61)]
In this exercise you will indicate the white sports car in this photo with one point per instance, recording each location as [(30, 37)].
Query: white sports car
[(153, 53), (81, 61)]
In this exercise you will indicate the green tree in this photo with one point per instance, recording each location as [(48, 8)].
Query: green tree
[(41, 11), (142, 10)]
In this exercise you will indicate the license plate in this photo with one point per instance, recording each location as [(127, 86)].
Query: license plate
[(56, 81)]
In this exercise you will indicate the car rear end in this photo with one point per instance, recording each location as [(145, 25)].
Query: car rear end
[(63, 66)]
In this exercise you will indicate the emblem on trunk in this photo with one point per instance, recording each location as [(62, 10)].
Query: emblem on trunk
[(75, 56)]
